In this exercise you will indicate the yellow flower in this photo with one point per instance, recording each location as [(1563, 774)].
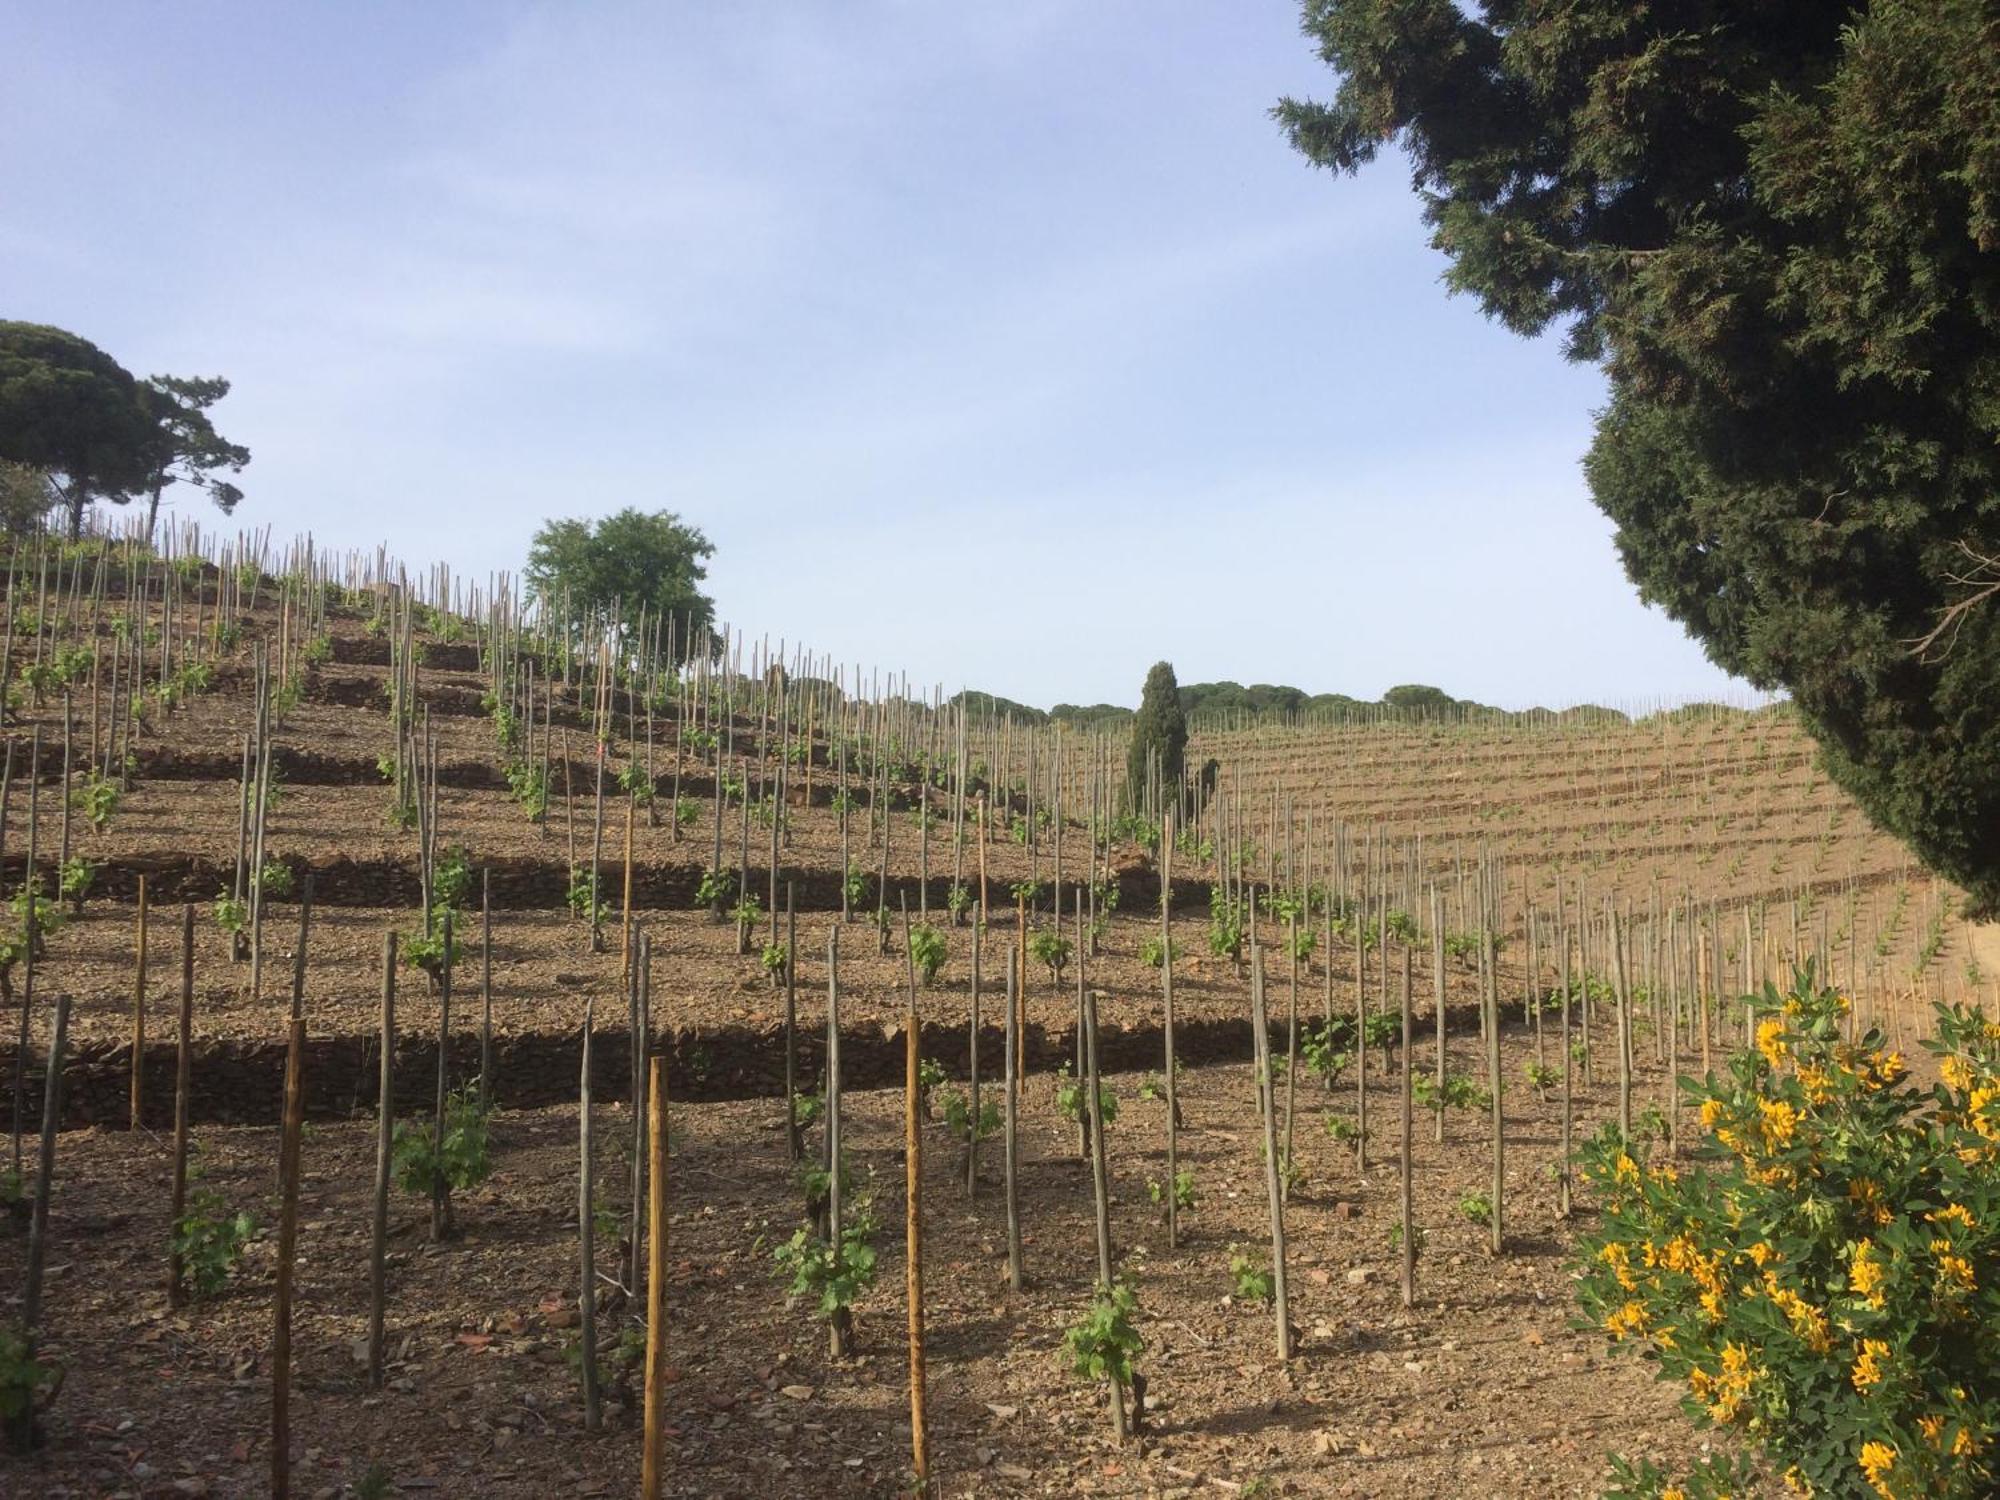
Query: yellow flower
[(1627, 1320), (1711, 1113), (1817, 1083), (1867, 1275), (1868, 1365), (1807, 1321), (1771, 1042), (1952, 1213), (1780, 1123), (1619, 1258), (1626, 1170), (1887, 1069), (1797, 1483), (1673, 1492), (1930, 1427), (1980, 1114), (1866, 1195), (1955, 1272), (1956, 1073), (1877, 1459), (1713, 1303), (1760, 1252)]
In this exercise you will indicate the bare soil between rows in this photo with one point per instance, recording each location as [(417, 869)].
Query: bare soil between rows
[(1483, 1388)]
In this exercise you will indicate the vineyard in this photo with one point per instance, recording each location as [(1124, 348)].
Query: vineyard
[(458, 1048)]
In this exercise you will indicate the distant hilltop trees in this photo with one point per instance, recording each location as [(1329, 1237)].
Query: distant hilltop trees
[(1209, 703)]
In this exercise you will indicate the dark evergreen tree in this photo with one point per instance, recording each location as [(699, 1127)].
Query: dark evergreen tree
[(1159, 733), (1777, 227), (74, 413)]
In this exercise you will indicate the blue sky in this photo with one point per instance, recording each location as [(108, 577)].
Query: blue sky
[(1010, 346)]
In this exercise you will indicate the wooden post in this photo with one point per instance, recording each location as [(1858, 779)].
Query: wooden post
[(385, 1147), (1407, 1197), (1100, 1187), (1167, 1002), (440, 1188), (45, 1169), (651, 1471), (913, 1165), (183, 1068), (288, 1232), (1261, 1042), (485, 989), (1496, 1082), (139, 1011), (794, 1144), (1009, 1132), (1568, 1081), (593, 1417), (972, 1075)]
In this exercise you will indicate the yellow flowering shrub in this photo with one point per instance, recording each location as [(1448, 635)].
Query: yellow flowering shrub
[(1824, 1278)]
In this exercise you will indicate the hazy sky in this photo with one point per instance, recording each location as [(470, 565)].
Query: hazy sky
[(1007, 345)]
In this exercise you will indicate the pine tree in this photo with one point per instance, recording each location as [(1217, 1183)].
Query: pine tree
[(1777, 228)]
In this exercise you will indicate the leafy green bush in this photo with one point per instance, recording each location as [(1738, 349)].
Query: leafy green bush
[(958, 1116), (1103, 1344), (1251, 1276), (275, 879), (577, 897), (1070, 1101), (1225, 926), (713, 891), (1184, 1195), (1826, 1277), (26, 1386), (97, 799), (230, 914), (1328, 1047), (1052, 950), (1459, 1092), (463, 1161), (209, 1240), (928, 949), (831, 1277), (78, 875)]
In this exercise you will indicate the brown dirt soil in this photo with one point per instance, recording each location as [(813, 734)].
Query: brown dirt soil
[(1481, 1389)]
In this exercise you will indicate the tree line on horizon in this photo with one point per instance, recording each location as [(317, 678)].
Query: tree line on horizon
[(1417, 702)]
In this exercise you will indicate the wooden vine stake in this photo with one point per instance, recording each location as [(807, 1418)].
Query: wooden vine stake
[(1407, 1196), (288, 1235), (385, 1149), (1100, 1182), (1011, 1095), (183, 1068), (913, 1167), (652, 1474), (139, 1010), (593, 1416), (1261, 1042), (1167, 1002), (1497, 1083)]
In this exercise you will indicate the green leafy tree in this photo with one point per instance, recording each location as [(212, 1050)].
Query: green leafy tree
[(186, 448), (73, 412), (26, 498), (1777, 228), (1159, 731), (631, 560)]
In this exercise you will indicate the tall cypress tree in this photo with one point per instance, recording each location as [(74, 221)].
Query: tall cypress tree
[(1777, 228), (1159, 732)]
